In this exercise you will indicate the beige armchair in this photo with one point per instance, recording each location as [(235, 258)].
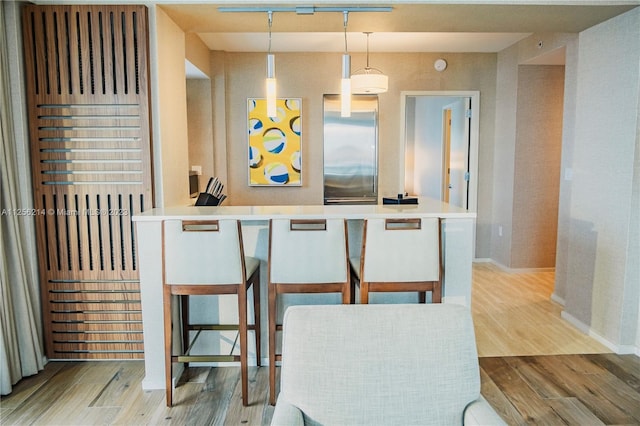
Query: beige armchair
[(380, 365)]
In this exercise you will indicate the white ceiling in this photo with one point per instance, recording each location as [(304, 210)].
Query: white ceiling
[(357, 42), (410, 26)]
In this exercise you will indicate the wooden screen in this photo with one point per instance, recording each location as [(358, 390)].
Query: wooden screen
[(88, 105)]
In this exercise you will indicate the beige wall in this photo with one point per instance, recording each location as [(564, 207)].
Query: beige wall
[(171, 121), (537, 166), (507, 212), (309, 76), (200, 128), (602, 268), (197, 52)]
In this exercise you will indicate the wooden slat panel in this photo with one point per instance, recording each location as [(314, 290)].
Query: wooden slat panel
[(90, 146)]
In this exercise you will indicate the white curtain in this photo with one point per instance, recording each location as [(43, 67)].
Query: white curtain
[(21, 347)]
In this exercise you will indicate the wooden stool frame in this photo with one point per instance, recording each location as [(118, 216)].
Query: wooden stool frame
[(422, 287), (186, 290)]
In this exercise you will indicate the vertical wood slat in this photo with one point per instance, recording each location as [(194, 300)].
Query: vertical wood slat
[(107, 54), (90, 149)]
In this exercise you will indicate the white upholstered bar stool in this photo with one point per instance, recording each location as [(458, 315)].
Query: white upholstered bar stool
[(305, 256), (206, 257), (400, 255)]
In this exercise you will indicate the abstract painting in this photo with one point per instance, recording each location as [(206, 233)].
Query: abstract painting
[(274, 143)]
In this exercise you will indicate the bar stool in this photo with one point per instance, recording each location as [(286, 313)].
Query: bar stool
[(305, 256), (216, 266), (400, 255)]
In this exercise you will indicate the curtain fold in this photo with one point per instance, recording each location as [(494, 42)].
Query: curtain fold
[(21, 343)]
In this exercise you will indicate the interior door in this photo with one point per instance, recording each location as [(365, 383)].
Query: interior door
[(457, 172)]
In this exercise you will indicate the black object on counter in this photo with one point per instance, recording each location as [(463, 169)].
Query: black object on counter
[(206, 199), (399, 200)]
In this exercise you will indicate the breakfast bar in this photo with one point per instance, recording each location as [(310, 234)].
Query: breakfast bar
[(457, 254)]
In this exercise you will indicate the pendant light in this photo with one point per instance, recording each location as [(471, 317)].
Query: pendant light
[(345, 82), (369, 80), (271, 76)]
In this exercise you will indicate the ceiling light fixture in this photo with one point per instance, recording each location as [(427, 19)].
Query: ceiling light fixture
[(307, 10), (367, 79), (345, 83), (271, 75)]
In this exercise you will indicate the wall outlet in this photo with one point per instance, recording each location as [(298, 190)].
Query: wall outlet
[(197, 169)]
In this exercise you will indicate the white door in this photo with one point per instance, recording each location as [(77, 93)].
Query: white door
[(456, 172)]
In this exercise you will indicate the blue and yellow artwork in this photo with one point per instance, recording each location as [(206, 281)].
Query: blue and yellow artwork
[(274, 143)]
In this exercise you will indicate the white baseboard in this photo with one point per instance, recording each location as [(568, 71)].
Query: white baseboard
[(618, 349), (559, 300), (154, 384), (511, 270)]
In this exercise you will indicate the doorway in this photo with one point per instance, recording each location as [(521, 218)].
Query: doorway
[(440, 134)]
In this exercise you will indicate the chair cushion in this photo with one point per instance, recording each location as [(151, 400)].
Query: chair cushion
[(380, 364)]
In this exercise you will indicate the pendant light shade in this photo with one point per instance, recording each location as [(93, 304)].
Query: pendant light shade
[(271, 86), (345, 87), (368, 79), (369, 83)]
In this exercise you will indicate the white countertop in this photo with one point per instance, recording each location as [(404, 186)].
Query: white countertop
[(426, 207)]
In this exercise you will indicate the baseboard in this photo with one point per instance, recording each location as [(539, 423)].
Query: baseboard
[(575, 322), (618, 349), (516, 270), (155, 384), (559, 300)]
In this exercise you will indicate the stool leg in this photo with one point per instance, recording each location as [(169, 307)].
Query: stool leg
[(167, 344), (364, 292), (272, 344), (346, 294), (256, 315), (436, 296), (242, 308), (184, 305)]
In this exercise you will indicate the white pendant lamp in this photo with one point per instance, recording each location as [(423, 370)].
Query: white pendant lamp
[(369, 80), (271, 76), (345, 82)]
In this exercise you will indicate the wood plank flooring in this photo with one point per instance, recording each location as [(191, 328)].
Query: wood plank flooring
[(535, 369), (590, 389), (513, 315)]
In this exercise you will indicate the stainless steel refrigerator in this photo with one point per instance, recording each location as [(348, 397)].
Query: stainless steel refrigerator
[(351, 151)]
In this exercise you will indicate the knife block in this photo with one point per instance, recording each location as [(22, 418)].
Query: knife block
[(206, 199)]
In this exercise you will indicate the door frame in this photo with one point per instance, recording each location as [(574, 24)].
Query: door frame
[(474, 134)]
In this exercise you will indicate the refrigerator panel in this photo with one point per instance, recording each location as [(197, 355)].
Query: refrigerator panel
[(351, 151)]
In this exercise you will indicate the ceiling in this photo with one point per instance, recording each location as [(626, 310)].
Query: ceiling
[(411, 26)]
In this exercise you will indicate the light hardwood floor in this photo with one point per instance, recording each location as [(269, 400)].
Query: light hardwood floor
[(513, 316)]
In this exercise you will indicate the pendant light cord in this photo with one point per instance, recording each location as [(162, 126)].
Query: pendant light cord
[(270, 15), (368, 33), (346, 20)]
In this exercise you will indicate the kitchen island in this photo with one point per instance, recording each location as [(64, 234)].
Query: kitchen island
[(457, 244)]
